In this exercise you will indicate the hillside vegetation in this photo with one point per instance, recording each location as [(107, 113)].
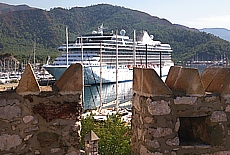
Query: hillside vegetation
[(19, 30)]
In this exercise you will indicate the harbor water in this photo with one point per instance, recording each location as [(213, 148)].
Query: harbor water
[(92, 94), (200, 67)]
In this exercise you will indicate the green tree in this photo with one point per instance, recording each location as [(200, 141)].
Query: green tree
[(113, 133)]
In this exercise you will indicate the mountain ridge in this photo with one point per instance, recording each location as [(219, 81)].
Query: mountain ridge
[(5, 8), (220, 32), (20, 29)]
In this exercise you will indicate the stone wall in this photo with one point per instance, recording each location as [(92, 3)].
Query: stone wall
[(187, 115), (39, 122)]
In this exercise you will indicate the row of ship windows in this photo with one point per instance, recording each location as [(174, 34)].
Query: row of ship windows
[(91, 53), (113, 56), (113, 42), (120, 55), (110, 59), (124, 47)]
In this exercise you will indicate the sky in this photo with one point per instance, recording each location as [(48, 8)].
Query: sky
[(191, 13)]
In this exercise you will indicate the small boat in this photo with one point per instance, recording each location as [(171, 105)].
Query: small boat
[(4, 78)]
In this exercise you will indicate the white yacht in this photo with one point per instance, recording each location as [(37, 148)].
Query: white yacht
[(113, 54)]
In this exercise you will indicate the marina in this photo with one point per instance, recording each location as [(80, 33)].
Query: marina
[(42, 76), (108, 59)]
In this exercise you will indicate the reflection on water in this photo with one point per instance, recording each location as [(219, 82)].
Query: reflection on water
[(92, 94)]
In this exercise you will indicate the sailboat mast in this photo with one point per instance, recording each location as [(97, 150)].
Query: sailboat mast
[(134, 48), (81, 51), (34, 54), (160, 65), (116, 71), (82, 72), (146, 56), (67, 48), (100, 77)]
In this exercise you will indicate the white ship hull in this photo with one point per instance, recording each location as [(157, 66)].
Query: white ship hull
[(92, 74)]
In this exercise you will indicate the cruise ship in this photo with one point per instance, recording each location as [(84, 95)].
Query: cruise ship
[(111, 57)]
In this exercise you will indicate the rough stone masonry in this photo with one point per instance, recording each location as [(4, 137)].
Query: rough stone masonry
[(35, 122), (187, 115)]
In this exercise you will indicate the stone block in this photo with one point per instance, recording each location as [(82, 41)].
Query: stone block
[(145, 151), (136, 102), (149, 120), (9, 112), (220, 153), (47, 138), (173, 142), (158, 108), (186, 100), (147, 81), (160, 132), (152, 143), (55, 150), (31, 128), (27, 137), (189, 82), (27, 119), (28, 84), (218, 116), (8, 142), (227, 108), (71, 81)]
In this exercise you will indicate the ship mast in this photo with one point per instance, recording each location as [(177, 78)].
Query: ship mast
[(116, 71), (134, 48), (34, 54), (81, 50), (82, 63), (100, 78), (67, 48)]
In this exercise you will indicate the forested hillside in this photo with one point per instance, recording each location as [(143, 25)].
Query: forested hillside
[(20, 29)]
